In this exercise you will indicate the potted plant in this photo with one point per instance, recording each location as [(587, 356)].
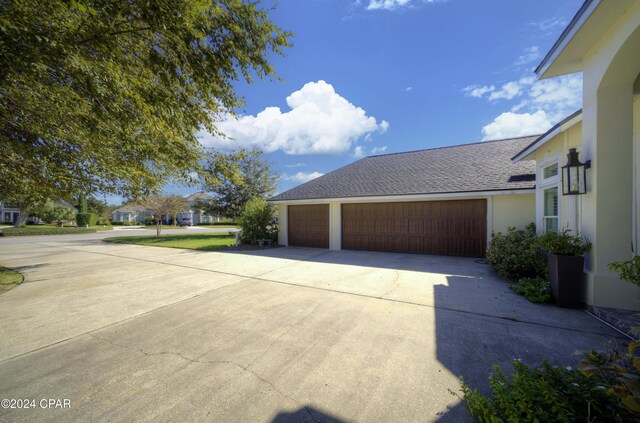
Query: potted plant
[(565, 257)]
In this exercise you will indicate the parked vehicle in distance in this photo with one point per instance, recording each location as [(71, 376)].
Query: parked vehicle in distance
[(186, 222)]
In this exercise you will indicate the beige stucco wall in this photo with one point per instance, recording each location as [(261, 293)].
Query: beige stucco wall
[(512, 211), (610, 68), (556, 150), (282, 225)]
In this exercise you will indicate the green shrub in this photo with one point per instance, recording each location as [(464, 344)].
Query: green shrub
[(114, 223), (628, 270), (564, 243), (545, 393), (517, 254), (622, 371), (221, 223), (258, 221), (46, 231), (536, 290), (84, 219)]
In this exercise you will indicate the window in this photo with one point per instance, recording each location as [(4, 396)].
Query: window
[(7, 217), (550, 214), (550, 171)]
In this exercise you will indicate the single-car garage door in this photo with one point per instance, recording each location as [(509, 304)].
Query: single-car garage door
[(309, 225), (455, 228)]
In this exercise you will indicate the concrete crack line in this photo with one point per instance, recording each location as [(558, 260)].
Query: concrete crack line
[(293, 262), (396, 278), (193, 360), (90, 332), (288, 329)]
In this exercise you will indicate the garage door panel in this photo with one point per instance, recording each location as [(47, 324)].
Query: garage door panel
[(309, 225), (433, 227)]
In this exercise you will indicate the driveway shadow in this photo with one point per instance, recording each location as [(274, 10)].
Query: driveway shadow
[(306, 414), (463, 266), (469, 344)]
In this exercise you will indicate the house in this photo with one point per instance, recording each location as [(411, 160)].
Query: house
[(438, 201), (603, 42), (196, 215), (131, 213), (138, 214), (435, 201), (9, 215)]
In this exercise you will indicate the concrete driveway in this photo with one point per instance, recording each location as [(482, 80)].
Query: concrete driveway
[(131, 333)]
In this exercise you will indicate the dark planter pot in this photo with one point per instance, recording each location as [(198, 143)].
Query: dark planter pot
[(567, 279)]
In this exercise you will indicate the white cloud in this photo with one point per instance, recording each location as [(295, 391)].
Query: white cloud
[(477, 90), (509, 125), (302, 177), (550, 23), (378, 150), (299, 164), (386, 4), (562, 94), (529, 55), (358, 152), (539, 105), (408, 89), (320, 122), (395, 4), (507, 91)]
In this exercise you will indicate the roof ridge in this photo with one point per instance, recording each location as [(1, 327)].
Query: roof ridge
[(452, 146)]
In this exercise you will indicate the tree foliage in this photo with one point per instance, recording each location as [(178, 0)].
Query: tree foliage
[(51, 212), (162, 205), (102, 95), (236, 178), (175, 205)]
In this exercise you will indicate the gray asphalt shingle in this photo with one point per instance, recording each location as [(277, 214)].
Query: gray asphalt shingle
[(483, 166)]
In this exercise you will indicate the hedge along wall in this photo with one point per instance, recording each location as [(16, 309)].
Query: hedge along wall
[(45, 231)]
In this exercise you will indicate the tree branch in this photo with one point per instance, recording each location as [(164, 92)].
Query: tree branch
[(110, 34)]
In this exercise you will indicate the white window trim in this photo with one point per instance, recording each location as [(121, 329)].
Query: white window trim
[(542, 184)]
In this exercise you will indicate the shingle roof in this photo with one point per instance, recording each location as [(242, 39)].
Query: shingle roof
[(483, 166), (130, 208), (200, 195)]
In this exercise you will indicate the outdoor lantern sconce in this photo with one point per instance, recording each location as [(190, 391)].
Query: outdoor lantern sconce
[(574, 179)]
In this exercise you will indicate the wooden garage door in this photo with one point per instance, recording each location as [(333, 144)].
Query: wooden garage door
[(455, 228), (309, 226)]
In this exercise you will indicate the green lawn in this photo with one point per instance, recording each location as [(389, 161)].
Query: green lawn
[(205, 242), (9, 279), (97, 227)]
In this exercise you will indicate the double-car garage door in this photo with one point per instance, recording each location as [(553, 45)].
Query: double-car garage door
[(457, 228)]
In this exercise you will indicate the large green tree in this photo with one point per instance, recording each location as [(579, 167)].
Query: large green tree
[(104, 95), (52, 212), (236, 178)]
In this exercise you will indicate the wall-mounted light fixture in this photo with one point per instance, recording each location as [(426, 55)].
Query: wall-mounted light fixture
[(574, 178)]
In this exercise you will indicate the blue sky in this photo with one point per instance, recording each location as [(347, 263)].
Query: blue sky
[(383, 76)]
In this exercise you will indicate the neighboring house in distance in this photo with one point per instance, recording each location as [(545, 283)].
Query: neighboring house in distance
[(197, 216), (130, 213), (137, 214), (8, 214), (603, 42), (438, 201)]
